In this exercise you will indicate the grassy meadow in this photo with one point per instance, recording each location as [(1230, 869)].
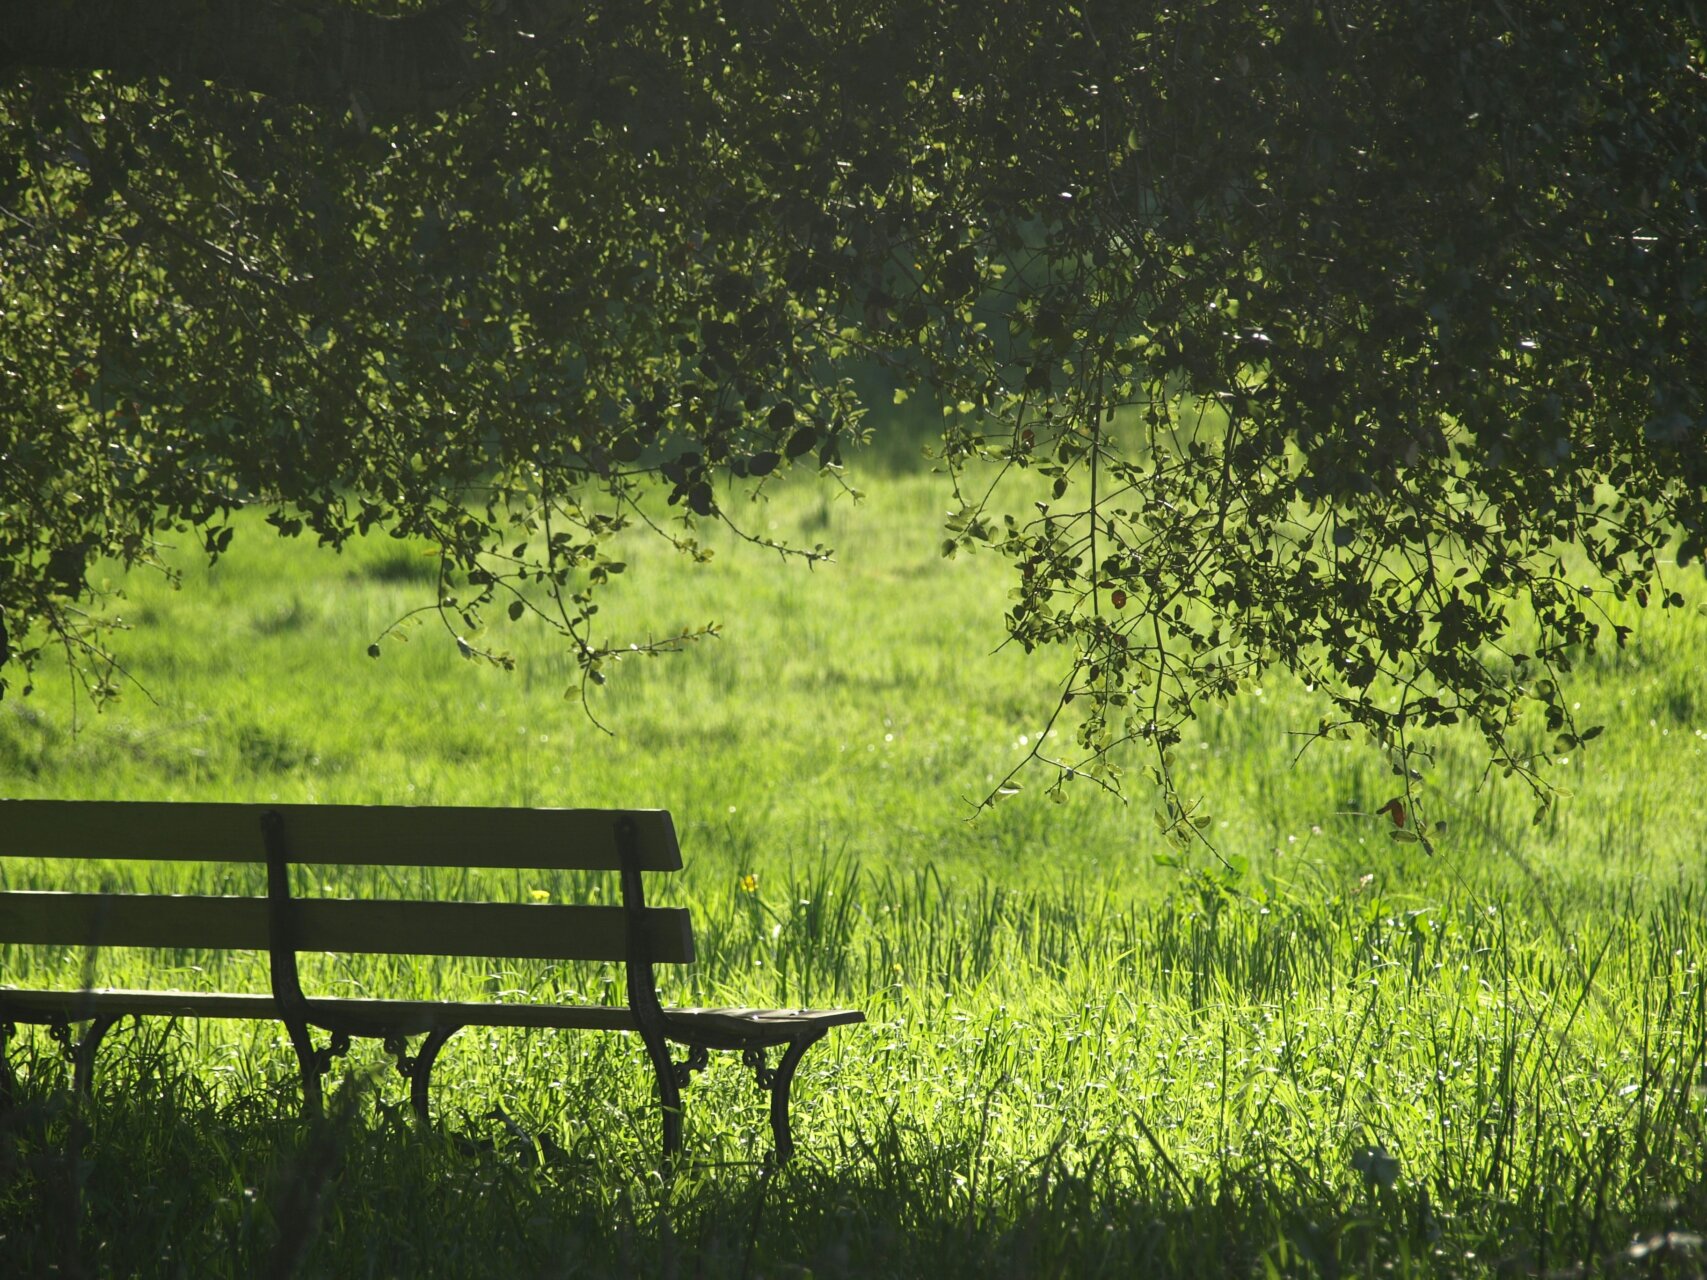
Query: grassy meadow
[(1360, 1060)]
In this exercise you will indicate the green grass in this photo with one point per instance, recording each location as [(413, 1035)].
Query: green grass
[(1077, 1062)]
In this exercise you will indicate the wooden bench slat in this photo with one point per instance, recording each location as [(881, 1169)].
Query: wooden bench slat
[(787, 1022), (352, 835), (523, 932), (404, 1017), (400, 1017)]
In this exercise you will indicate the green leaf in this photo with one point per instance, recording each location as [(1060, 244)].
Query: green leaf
[(802, 441)]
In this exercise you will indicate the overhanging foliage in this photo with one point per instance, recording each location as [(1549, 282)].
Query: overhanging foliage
[(1352, 339)]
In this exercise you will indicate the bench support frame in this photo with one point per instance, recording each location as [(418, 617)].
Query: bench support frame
[(417, 1068), (657, 1028), (313, 1062)]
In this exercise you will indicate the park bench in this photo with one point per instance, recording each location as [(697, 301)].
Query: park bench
[(283, 924)]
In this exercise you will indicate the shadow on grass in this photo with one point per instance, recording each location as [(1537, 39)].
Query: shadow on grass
[(173, 1184)]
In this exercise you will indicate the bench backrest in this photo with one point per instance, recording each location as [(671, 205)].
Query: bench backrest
[(625, 840)]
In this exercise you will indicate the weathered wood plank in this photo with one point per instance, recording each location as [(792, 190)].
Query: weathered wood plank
[(406, 1017), (544, 932), (356, 835), (377, 1017)]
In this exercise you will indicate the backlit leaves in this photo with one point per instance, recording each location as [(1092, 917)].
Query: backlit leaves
[(1354, 343)]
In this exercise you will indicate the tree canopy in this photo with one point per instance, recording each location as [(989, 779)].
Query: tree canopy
[(1357, 339)]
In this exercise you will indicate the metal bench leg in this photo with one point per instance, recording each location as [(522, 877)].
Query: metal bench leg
[(83, 1056), (418, 1070), (308, 1062), (314, 1062), (778, 1083), (8, 1082), (80, 1051), (669, 1094)]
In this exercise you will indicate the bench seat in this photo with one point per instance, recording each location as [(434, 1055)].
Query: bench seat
[(368, 1017)]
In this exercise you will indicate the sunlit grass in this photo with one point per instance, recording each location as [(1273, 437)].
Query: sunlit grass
[(1077, 1061)]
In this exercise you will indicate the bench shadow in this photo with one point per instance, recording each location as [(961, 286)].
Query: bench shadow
[(175, 1183)]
